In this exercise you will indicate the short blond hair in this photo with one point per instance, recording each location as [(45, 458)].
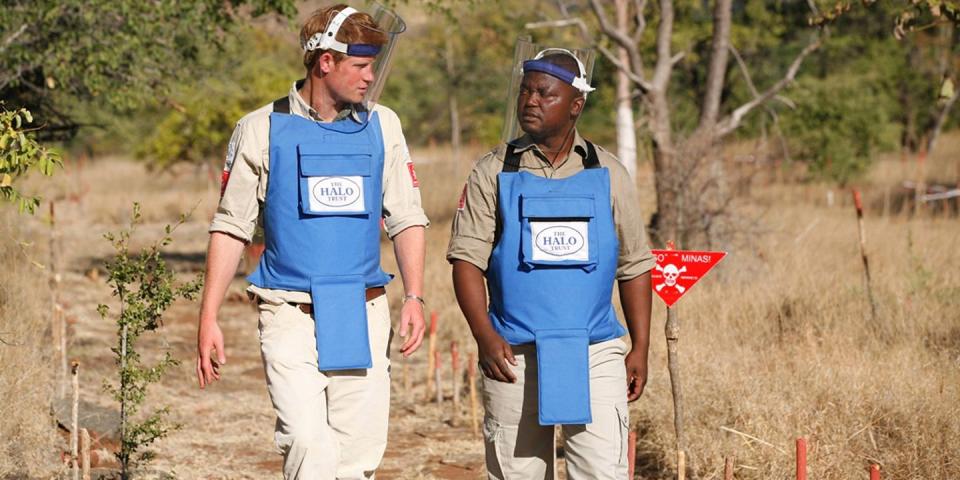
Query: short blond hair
[(357, 28)]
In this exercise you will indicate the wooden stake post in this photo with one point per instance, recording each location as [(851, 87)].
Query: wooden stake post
[(431, 355), (874, 472), (437, 378), (472, 378), (455, 382), (74, 421), (858, 203), (677, 272), (84, 454), (672, 331)]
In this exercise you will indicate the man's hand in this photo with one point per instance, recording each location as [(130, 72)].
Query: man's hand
[(223, 255), (411, 326), (209, 339), (494, 353), (636, 363)]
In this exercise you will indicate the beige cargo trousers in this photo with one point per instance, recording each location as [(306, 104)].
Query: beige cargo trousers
[(330, 425), (519, 448)]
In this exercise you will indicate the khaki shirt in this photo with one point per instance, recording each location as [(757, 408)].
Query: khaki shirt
[(475, 222), (247, 170)]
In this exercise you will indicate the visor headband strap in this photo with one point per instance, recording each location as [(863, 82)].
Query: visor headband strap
[(578, 81), (327, 40), (549, 69)]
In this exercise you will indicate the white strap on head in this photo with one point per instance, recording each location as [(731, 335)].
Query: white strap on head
[(580, 82), (327, 40)]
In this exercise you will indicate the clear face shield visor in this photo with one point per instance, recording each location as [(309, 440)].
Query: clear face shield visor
[(389, 25), (527, 57)]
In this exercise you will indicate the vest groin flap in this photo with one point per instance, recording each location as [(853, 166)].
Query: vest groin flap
[(563, 374), (340, 315)]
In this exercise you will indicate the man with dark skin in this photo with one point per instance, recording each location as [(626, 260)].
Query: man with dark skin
[(547, 110)]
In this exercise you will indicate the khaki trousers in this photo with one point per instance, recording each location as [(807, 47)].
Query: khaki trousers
[(518, 447), (330, 425)]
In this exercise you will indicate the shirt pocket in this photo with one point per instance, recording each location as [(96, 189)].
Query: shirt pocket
[(335, 179), (558, 231)]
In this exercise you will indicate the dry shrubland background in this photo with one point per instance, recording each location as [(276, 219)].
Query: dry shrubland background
[(776, 342)]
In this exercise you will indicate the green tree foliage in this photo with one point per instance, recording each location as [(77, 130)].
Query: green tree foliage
[(118, 53), (481, 36), (254, 68), (19, 154), (145, 287), (908, 15), (838, 125)]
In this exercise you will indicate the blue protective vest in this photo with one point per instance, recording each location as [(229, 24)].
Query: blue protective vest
[(321, 222), (551, 277)]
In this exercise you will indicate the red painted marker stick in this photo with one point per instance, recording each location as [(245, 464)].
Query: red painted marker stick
[(801, 458)]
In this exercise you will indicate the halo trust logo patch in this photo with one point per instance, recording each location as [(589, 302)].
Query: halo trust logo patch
[(560, 241), (336, 194)]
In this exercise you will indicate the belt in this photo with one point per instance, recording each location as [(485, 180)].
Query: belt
[(372, 292)]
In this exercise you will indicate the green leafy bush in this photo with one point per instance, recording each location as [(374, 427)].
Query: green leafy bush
[(253, 70), (838, 124), (19, 154), (145, 287)]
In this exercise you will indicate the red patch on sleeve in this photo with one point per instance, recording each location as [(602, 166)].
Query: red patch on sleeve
[(224, 178), (463, 199), (413, 175)]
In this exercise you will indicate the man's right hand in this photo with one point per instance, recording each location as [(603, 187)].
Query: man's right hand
[(223, 255), (494, 354), (209, 340)]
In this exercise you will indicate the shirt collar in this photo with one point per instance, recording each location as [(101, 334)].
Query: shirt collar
[(524, 143), (300, 107)]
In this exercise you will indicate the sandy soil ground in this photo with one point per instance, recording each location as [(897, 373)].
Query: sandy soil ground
[(227, 430)]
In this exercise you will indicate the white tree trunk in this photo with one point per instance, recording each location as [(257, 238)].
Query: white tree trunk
[(626, 132)]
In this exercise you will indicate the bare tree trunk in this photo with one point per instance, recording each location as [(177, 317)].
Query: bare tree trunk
[(626, 131), (717, 70), (452, 103)]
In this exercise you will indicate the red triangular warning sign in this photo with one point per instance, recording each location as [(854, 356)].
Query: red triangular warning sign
[(679, 270)]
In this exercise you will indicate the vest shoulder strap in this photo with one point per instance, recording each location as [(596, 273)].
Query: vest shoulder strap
[(282, 104), (511, 160), (590, 159)]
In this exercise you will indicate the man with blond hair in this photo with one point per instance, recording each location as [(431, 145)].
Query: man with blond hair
[(327, 166)]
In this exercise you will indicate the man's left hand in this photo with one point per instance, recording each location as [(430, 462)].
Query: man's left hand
[(411, 326), (636, 363)]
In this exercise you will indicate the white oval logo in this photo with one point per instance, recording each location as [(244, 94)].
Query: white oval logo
[(559, 241), (336, 192)]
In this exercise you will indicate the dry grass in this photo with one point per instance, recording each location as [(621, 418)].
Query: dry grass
[(27, 435), (776, 343)]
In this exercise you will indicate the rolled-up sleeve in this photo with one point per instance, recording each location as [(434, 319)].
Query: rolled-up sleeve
[(240, 203), (473, 228), (402, 207), (635, 257)]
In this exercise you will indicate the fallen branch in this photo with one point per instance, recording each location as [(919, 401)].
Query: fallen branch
[(756, 439)]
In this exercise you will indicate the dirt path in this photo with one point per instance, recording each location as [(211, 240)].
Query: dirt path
[(227, 430)]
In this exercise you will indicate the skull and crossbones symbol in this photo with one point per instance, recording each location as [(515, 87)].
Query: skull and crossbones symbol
[(670, 275)]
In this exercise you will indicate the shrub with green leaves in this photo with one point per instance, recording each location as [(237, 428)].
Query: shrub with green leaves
[(19, 154), (145, 287), (838, 124)]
